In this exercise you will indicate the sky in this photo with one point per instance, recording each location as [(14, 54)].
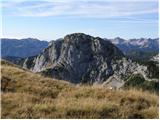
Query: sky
[(53, 19)]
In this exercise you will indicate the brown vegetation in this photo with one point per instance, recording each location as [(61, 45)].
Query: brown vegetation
[(29, 95)]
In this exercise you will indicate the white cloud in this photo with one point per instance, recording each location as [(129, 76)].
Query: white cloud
[(81, 8)]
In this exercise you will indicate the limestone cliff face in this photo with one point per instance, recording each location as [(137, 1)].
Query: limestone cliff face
[(125, 67), (76, 58), (80, 58)]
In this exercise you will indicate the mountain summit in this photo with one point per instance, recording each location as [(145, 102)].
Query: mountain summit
[(80, 58), (76, 58)]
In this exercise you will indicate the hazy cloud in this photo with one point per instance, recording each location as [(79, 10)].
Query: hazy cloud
[(81, 8)]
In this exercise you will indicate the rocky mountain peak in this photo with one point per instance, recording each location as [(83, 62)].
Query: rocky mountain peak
[(77, 35), (76, 58)]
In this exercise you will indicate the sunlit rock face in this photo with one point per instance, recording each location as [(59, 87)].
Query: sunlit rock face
[(80, 58), (76, 58)]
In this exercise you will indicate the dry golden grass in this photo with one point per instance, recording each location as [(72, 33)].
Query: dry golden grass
[(28, 95)]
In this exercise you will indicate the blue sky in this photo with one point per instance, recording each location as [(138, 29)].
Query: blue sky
[(53, 19)]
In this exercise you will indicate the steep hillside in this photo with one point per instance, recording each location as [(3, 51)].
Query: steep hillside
[(76, 58), (80, 58), (29, 95), (22, 47)]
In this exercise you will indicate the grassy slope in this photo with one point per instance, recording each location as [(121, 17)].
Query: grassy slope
[(28, 95)]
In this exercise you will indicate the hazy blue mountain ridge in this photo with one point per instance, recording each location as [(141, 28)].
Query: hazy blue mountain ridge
[(22, 47)]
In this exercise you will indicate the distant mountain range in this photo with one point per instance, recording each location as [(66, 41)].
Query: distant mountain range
[(137, 49), (21, 47), (141, 49)]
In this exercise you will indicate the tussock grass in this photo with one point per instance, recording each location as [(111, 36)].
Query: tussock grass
[(29, 95)]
